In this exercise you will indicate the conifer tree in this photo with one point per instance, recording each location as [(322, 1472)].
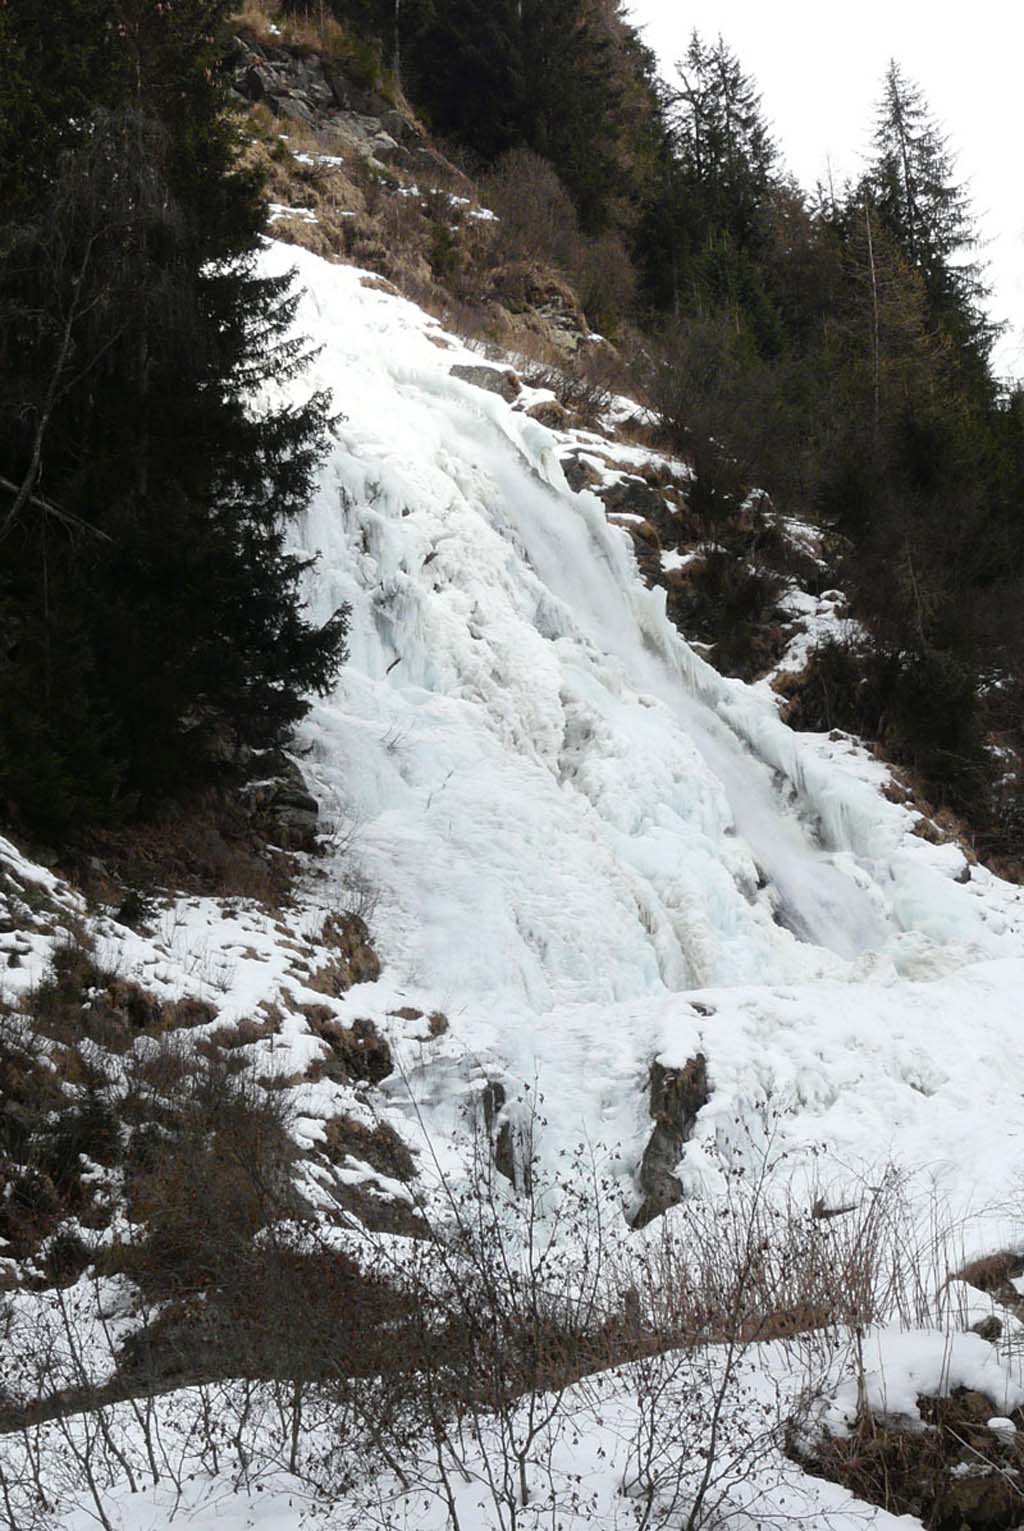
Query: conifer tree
[(721, 188), (146, 594), (912, 182), (724, 149)]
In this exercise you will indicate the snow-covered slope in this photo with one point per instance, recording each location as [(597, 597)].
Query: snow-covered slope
[(591, 849), (590, 852)]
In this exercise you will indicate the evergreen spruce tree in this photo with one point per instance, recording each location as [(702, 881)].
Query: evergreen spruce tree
[(467, 69), (913, 186), (146, 594), (569, 112), (722, 189), (726, 156)]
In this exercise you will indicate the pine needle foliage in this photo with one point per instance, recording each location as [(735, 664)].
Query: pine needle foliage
[(147, 597)]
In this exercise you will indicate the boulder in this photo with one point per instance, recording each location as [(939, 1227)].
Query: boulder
[(633, 497), (294, 108), (550, 413), (676, 1099), (580, 474), (282, 803), (508, 1161), (499, 380)]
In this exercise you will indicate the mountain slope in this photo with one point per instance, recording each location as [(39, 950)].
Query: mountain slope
[(627, 920)]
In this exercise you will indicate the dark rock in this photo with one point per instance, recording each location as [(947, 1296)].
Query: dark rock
[(280, 801), (502, 381), (343, 93), (400, 128), (507, 1161), (550, 413), (632, 497), (358, 1053), (296, 109), (990, 1328), (580, 474), (676, 1098), (253, 83), (646, 546)]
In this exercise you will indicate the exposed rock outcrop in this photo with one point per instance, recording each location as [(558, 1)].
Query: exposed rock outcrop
[(529, 289), (299, 86), (281, 803), (506, 1142), (499, 380), (676, 1099)]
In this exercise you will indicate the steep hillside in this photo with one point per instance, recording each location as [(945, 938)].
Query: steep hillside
[(638, 949), (550, 1090)]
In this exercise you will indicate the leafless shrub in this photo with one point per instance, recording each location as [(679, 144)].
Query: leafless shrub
[(208, 1168), (538, 222), (537, 213), (606, 281), (575, 387), (467, 1354)]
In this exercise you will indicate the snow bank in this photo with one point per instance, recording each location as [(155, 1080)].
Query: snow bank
[(901, 1367)]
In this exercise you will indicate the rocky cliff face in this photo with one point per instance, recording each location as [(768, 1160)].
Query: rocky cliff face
[(300, 86), (354, 175)]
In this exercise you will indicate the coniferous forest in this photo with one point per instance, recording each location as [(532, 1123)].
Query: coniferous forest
[(828, 346), (147, 601)]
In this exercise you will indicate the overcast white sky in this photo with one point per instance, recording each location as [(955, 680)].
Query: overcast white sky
[(819, 66)]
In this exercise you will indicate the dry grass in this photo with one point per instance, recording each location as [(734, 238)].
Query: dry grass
[(378, 1146), (255, 15), (208, 845), (992, 1273), (317, 30), (79, 1001), (953, 1473), (243, 1033)]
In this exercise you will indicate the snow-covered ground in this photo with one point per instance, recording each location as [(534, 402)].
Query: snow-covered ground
[(591, 851)]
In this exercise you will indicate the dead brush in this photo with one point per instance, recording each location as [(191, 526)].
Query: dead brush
[(993, 1273), (584, 395), (943, 1474), (209, 1171), (256, 15), (761, 1269)]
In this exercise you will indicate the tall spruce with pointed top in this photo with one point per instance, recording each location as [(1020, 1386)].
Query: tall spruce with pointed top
[(725, 151), (147, 598), (721, 191), (912, 183)]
